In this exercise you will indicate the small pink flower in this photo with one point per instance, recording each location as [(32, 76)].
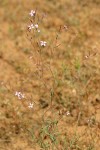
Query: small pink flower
[(32, 13), (67, 113), (30, 105), (31, 27), (36, 26), (19, 95), (38, 30), (43, 43)]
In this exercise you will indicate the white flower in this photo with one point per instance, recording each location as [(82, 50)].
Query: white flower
[(36, 26), (32, 13), (67, 113), (38, 30), (30, 105), (31, 26), (43, 43), (19, 95)]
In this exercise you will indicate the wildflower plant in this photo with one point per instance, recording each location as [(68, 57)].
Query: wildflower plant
[(43, 66), (50, 80)]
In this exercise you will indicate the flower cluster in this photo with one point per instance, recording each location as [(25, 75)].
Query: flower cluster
[(35, 26), (19, 95), (30, 26)]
